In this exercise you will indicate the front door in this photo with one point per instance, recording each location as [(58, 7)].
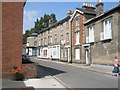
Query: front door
[(87, 57)]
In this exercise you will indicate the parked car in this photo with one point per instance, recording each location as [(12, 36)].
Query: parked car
[(25, 58)]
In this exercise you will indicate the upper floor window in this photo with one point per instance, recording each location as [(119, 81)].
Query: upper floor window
[(77, 21), (50, 39), (61, 27), (35, 43), (77, 37), (67, 24), (61, 37), (45, 41), (39, 43), (55, 38), (91, 33), (67, 37), (107, 31)]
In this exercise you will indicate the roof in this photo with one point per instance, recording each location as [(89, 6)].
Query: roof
[(86, 11), (33, 34), (56, 24), (82, 11), (106, 12)]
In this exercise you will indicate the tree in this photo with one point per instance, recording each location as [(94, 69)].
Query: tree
[(40, 24)]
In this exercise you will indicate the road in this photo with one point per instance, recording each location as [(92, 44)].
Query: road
[(76, 77)]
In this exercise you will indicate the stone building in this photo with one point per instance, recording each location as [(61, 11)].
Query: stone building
[(54, 41), (31, 46), (11, 35), (102, 36), (77, 28)]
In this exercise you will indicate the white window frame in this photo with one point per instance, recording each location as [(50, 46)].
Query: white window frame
[(77, 54), (67, 37), (77, 21), (77, 38), (91, 33), (107, 29), (65, 52)]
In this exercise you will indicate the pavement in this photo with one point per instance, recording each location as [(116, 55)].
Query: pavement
[(45, 82)]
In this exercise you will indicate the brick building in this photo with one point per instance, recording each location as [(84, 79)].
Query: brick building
[(102, 36), (77, 28), (12, 26)]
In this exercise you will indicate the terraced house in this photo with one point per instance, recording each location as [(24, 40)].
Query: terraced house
[(31, 45), (102, 36), (77, 28), (54, 41)]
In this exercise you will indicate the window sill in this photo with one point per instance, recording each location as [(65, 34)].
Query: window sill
[(106, 40), (77, 44)]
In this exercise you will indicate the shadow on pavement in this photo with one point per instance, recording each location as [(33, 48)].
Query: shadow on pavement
[(43, 71)]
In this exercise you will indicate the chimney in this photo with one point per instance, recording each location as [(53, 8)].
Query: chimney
[(99, 8), (70, 12), (88, 6)]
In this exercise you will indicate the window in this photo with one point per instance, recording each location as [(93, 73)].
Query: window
[(91, 33), (77, 37), (77, 54), (61, 37), (55, 38), (39, 52), (107, 29), (50, 39), (39, 43), (67, 24), (35, 43), (54, 51), (45, 53), (44, 41), (65, 52), (77, 21), (67, 37)]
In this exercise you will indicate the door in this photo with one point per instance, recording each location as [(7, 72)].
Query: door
[(68, 54), (87, 57), (30, 51)]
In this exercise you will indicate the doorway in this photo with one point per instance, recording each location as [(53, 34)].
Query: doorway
[(87, 57)]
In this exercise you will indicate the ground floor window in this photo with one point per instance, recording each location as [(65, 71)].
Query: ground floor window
[(65, 52), (77, 54), (39, 52), (45, 52)]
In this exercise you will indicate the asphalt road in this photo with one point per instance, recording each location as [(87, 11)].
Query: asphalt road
[(76, 77)]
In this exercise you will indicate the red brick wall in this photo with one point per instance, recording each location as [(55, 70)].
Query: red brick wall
[(81, 29), (30, 70), (12, 25)]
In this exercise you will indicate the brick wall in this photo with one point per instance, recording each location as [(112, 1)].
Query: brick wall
[(12, 23), (30, 70)]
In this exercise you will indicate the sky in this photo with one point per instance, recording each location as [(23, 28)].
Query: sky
[(34, 10)]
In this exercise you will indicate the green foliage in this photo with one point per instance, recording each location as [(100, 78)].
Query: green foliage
[(44, 22)]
